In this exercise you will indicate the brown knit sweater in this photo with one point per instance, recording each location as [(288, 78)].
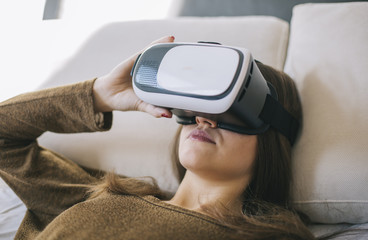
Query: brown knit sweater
[(54, 188)]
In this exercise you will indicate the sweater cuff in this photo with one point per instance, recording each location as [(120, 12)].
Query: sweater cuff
[(102, 120)]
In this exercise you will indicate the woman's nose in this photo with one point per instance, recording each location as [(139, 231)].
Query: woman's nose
[(202, 120)]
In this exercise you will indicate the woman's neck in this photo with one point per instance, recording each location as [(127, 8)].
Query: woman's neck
[(195, 191)]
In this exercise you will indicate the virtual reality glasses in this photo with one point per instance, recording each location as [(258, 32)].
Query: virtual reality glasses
[(218, 82)]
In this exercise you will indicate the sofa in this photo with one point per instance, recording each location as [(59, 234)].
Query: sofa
[(324, 49)]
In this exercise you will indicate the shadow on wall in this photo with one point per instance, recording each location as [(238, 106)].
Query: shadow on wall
[(280, 8)]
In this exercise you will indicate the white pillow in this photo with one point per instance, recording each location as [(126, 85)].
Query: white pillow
[(138, 144), (328, 58)]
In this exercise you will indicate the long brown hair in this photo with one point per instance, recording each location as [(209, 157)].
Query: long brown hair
[(272, 170), (266, 213)]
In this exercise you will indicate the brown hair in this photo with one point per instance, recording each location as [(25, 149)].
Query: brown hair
[(266, 212), (272, 170)]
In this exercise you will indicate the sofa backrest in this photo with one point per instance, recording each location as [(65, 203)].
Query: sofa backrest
[(328, 59)]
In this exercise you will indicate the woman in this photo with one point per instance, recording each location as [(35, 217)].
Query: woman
[(235, 186)]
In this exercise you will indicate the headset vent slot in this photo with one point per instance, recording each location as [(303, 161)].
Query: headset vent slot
[(241, 95), (248, 81)]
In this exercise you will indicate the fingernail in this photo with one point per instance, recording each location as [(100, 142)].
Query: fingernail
[(172, 37), (165, 115)]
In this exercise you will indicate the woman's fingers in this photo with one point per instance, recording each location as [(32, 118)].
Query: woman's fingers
[(153, 110), (165, 39)]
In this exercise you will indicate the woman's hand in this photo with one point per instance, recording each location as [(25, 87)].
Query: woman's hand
[(114, 91)]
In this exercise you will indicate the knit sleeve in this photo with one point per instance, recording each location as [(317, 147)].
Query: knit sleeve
[(46, 182)]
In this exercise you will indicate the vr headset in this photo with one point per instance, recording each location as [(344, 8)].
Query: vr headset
[(214, 81)]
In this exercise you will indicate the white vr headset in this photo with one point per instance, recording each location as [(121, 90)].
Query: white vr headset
[(218, 82)]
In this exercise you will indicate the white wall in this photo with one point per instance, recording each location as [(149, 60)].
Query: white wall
[(28, 49)]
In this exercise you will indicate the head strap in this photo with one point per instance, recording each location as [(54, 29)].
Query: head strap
[(274, 113)]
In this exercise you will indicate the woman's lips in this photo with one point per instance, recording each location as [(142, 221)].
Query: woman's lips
[(201, 135)]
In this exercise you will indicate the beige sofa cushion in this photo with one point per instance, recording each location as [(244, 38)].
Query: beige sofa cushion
[(328, 58), (138, 144)]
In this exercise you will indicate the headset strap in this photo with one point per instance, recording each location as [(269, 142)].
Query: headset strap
[(274, 113)]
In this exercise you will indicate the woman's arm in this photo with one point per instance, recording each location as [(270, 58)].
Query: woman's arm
[(45, 181)]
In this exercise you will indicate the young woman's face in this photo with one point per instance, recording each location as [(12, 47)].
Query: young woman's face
[(216, 153)]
